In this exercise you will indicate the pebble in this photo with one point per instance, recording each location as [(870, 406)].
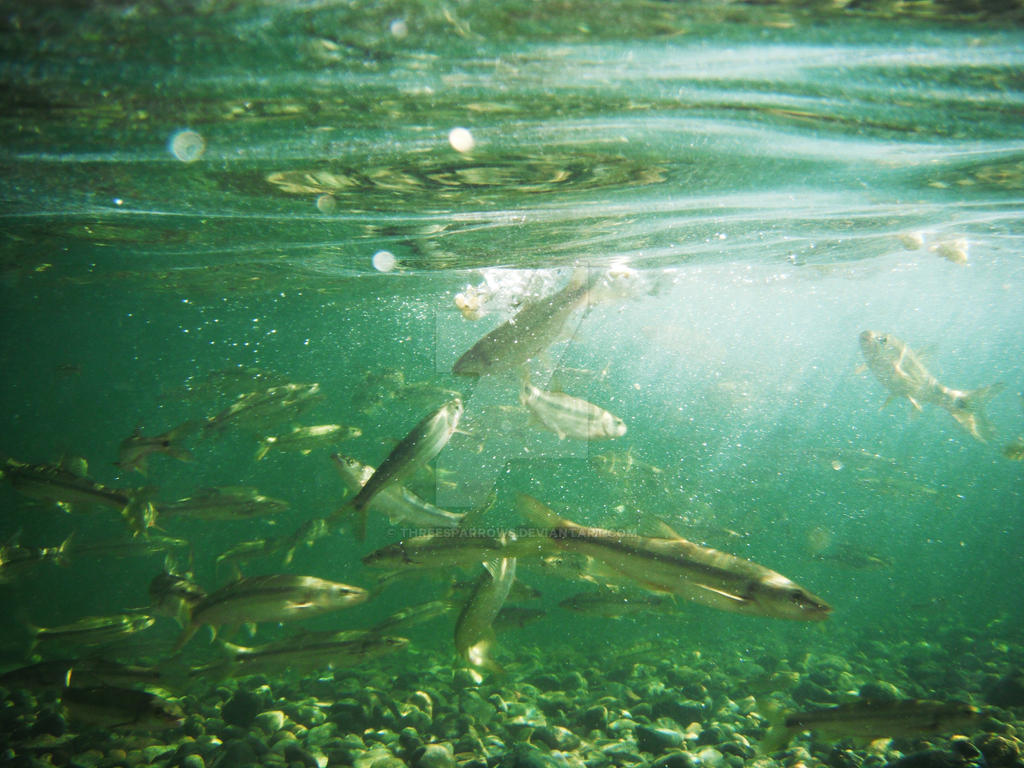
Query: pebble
[(434, 756), (193, 761), (1007, 691), (657, 740), (270, 722), (676, 760)]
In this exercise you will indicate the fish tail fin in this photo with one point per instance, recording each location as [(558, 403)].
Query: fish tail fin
[(969, 411), (358, 511), (184, 637)]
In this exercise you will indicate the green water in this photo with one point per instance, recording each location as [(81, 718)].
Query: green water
[(759, 173)]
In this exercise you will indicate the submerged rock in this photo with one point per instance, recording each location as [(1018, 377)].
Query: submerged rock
[(241, 709), (1007, 691), (657, 740)]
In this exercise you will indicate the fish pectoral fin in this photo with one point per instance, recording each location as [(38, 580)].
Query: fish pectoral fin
[(730, 595)]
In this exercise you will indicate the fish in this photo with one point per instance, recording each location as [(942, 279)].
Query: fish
[(307, 653), (855, 559), (418, 448), (516, 617), (228, 382), (113, 708), (614, 605), (174, 595), (680, 567), (1014, 450), (135, 449), (395, 501), (411, 616), (90, 631), (305, 440), (526, 334), (569, 416), (456, 547), (873, 719), (276, 597), (66, 485), (260, 410), (474, 631), (307, 534), (903, 373), (225, 503), (135, 546), (16, 559)]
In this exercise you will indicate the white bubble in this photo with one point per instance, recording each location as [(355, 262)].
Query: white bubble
[(326, 204), (461, 140), (399, 29), (188, 146), (384, 261)]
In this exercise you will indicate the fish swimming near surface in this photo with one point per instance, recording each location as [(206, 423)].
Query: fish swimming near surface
[(680, 567), (569, 416), (902, 372), (529, 332), (414, 452), (872, 719)]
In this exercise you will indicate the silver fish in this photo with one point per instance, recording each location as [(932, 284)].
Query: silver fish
[(421, 445), (901, 372), (474, 631), (533, 329), (569, 416), (277, 597), (677, 566), (397, 502)]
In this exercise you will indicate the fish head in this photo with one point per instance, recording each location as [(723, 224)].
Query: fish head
[(781, 598), (879, 346), (343, 594), (453, 411), (613, 426)]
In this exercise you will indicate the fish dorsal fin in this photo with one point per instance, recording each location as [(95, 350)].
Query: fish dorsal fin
[(493, 567), (656, 527)]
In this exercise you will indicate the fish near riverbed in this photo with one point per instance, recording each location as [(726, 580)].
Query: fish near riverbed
[(903, 373), (474, 630), (680, 567), (872, 719), (277, 597)]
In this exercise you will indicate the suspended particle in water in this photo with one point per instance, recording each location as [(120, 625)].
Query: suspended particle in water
[(188, 146), (837, 465), (398, 29), (326, 204), (461, 140), (384, 261)]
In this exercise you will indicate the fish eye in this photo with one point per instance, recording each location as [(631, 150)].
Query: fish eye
[(798, 597)]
